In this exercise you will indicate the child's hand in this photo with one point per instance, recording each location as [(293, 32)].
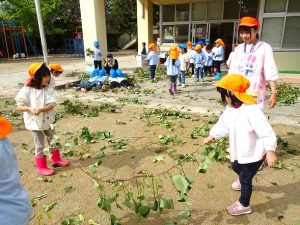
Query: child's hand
[(208, 140), (31, 110), (271, 158), (37, 112)]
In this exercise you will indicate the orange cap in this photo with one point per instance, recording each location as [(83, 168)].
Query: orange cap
[(219, 40), (237, 84), (189, 44), (248, 21), (152, 46), (33, 68), (198, 47), (174, 54), (56, 67), (5, 127)]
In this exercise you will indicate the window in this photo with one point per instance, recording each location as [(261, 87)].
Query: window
[(199, 11), (182, 12), (249, 8), (294, 6), (231, 9), (181, 33), (272, 6), (214, 9), (168, 34), (272, 31), (168, 13), (292, 33)]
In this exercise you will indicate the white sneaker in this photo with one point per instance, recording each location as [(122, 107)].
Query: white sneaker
[(236, 185), (183, 85)]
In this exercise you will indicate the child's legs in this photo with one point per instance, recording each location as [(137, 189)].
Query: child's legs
[(201, 72), (126, 83), (114, 84), (209, 70), (246, 173), (39, 142), (192, 65), (182, 77), (90, 86), (152, 71), (197, 72), (49, 137), (218, 66), (173, 80)]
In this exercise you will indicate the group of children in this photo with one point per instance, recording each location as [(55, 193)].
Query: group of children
[(97, 79), (251, 138)]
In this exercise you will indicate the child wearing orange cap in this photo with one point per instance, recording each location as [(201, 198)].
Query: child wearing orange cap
[(251, 137), (172, 63), (218, 57), (254, 59), (152, 59), (15, 206), (200, 59), (36, 101), (55, 70), (191, 53)]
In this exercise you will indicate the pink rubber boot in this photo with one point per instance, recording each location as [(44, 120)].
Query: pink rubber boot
[(41, 166), (57, 160)]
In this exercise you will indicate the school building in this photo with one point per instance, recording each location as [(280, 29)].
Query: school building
[(193, 20)]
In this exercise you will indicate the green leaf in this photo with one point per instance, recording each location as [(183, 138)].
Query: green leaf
[(97, 186), (114, 220), (48, 207), (170, 222), (182, 181), (63, 175), (158, 158), (185, 213), (166, 203), (144, 210), (210, 186), (92, 222)]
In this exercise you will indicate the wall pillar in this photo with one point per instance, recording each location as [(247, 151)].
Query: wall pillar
[(144, 23), (93, 25)]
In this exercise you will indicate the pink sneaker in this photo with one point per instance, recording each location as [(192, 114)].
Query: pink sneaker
[(237, 209), (236, 185)]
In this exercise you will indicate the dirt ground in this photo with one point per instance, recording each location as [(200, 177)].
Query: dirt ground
[(275, 199)]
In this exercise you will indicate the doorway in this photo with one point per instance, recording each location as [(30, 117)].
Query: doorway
[(199, 32), (226, 31)]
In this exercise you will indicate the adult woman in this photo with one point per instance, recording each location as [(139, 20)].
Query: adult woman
[(254, 59)]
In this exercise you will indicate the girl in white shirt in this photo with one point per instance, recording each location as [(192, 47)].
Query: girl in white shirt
[(184, 61), (36, 101), (251, 138)]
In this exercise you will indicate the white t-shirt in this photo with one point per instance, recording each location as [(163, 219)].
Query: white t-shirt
[(97, 54), (184, 59), (257, 64), (37, 98), (191, 53), (250, 134)]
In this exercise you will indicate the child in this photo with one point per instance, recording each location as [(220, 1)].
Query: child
[(100, 79), (113, 80), (218, 57), (55, 70), (15, 207), (251, 138), (88, 84), (199, 59), (206, 44), (144, 51), (110, 63), (152, 58), (122, 80), (191, 52), (36, 101), (231, 55), (172, 63), (97, 56), (184, 61), (209, 60)]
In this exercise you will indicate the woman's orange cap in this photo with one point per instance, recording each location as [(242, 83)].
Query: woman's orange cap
[(237, 84), (248, 21), (198, 47), (33, 68), (56, 67), (5, 127)]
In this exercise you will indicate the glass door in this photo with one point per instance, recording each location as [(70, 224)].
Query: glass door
[(199, 32)]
